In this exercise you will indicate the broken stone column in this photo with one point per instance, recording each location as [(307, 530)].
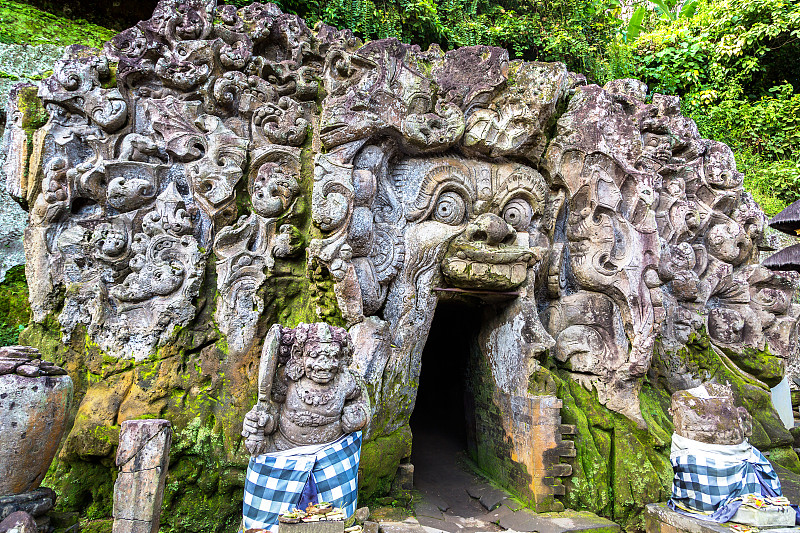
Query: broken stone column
[(143, 459)]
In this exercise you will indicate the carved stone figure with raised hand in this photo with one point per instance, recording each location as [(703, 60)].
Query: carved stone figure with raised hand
[(307, 393)]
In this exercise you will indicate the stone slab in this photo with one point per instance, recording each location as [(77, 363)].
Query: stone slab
[(492, 498), (525, 520), (36, 502), (313, 527), (770, 517), (426, 509), (401, 527), (19, 522), (435, 524), (661, 519), (498, 514)]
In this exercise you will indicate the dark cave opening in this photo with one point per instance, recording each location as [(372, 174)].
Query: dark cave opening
[(443, 419)]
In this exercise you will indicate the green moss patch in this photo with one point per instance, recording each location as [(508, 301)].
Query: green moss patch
[(14, 308), (23, 24), (379, 460)]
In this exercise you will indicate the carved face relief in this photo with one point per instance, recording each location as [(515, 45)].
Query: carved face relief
[(375, 91), (273, 189), (321, 361), (728, 242), (487, 212)]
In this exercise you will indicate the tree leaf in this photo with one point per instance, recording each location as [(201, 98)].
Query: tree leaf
[(664, 8), (635, 24), (688, 9)]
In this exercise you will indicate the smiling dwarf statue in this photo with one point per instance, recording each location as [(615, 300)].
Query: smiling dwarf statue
[(308, 395)]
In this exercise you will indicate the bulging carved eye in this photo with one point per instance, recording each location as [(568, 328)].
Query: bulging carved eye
[(518, 214), (450, 208)]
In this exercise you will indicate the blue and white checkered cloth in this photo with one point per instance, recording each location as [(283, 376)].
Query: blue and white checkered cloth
[(275, 481), (708, 476)]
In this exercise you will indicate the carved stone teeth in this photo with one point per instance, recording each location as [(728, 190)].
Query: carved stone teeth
[(518, 273), (479, 269), (501, 270)]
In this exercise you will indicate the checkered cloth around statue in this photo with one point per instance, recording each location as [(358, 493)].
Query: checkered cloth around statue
[(275, 481), (709, 476)]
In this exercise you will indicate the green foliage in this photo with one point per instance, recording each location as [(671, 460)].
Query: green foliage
[(734, 64), (765, 137), (23, 24), (14, 308), (572, 31)]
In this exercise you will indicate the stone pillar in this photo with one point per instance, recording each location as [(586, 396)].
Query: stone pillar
[(143, 459)]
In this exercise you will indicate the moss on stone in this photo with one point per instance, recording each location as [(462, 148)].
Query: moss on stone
[(87, 487), (786, 457), (15, 311), (379, 460), (24, 24), (97, 526), (619, 467)]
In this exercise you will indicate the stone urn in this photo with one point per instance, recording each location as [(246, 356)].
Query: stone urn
[(35, 397)]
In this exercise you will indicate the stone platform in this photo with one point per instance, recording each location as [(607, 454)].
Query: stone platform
[(661, 519)]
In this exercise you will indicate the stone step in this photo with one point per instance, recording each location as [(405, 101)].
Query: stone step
[(525, 520)]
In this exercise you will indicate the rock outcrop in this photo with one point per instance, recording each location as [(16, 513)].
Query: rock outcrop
[(215, 171)]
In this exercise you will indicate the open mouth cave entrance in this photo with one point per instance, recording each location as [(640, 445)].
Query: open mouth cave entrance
[(443, 420)]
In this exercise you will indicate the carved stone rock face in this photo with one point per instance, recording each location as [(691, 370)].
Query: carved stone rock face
[(709, 414), (217, 170)]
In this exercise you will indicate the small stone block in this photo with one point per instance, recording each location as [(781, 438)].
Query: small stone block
[(768, 517), (561, 470), (19, 522), (362, 514), (371, 527), (568, 429), (404, 479), (332, 526), (492, 498), (123, 525)]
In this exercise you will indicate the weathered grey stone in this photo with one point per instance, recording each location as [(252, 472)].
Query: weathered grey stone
[(403, 178), (36, 503), (404, 479), (524, 520), (19, 64), (34, 405), (661, 519), (401, 527), (709, 414), (19, 522), (307, 393), (143, 459)]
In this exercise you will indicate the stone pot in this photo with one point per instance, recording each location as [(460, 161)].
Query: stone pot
[(35, 397)]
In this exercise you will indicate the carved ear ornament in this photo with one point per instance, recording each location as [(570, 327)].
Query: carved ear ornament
[(447, 175)]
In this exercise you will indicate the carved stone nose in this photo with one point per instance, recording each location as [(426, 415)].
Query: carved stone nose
[(491, 229)]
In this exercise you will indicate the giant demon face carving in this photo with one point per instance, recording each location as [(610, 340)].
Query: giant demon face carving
[(488, 213)]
